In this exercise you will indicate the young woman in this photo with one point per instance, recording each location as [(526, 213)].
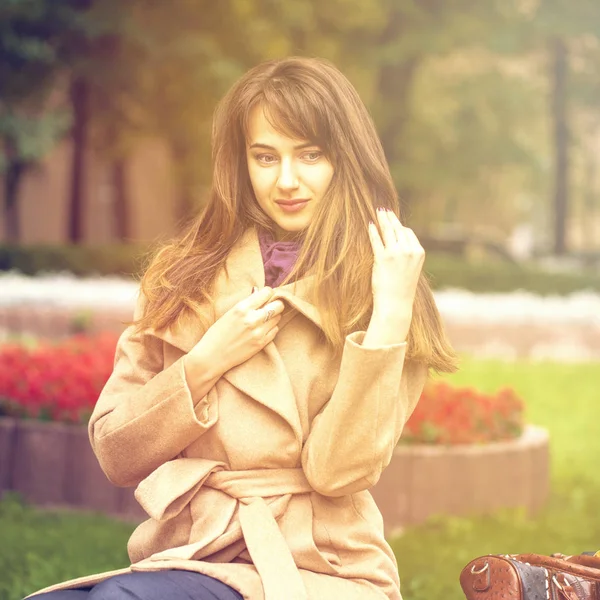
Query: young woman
[(276, 352)]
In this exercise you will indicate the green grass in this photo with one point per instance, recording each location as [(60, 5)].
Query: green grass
[(561, 397), (38, 549)]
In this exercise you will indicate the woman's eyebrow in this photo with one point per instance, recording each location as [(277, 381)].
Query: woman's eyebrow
[(267, 147)]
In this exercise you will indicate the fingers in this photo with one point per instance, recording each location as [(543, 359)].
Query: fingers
[(277, 306), (391, 231), (257, 298), (266, 328), (270, 311), (269, 314), (399, 230), (403, 236), (388, 234), (376, 242), (413, 241), (269, 336)]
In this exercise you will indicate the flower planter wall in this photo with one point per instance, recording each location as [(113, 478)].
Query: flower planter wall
[(7, 445), (86, 484), (424, 480), (53, 465), (40, 461)]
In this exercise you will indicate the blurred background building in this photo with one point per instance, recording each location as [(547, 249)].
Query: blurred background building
[(145, 179)]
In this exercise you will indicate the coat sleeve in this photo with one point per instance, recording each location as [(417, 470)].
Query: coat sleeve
[(352, 439), (145, 414)]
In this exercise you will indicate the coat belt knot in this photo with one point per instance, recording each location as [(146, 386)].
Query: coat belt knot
[(181, 479)]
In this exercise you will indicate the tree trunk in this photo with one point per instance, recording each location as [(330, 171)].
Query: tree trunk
[(185, 205), (186, 208), (122, 218), (80, 105), (589, 202), (395, 84), (559, 75), (12, 182)]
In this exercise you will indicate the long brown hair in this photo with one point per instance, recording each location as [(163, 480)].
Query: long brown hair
[(304, 98)]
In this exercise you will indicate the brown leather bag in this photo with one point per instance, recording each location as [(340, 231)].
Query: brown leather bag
[(532, 577)]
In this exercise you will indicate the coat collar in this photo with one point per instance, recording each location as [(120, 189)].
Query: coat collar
[(263, 377), (244, 269)]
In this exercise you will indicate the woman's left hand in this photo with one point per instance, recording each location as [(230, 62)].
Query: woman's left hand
[(398, 261)]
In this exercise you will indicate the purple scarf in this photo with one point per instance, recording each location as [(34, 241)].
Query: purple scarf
[(278, 257)]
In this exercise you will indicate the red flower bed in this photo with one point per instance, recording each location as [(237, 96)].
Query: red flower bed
[(62, 382), (55, 381), (449, 415)]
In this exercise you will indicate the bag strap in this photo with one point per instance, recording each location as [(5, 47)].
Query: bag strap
[(587, 566)]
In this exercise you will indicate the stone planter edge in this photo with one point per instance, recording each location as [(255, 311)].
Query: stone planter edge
[(425, 480)]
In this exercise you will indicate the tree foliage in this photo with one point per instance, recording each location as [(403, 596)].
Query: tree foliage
[(460, 89)]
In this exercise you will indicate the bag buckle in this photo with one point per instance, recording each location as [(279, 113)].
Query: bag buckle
[(485, 569)]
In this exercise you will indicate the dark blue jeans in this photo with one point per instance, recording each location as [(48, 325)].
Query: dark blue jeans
[(153, 585)]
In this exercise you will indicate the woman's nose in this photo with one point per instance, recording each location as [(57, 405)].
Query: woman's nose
[(288, 179)]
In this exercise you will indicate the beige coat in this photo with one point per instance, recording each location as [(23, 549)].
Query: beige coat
[(264, 482)]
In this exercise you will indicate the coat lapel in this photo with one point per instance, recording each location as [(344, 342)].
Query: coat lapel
[(263, 377)]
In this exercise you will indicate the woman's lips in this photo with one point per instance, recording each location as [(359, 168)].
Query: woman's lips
[(292, 206)]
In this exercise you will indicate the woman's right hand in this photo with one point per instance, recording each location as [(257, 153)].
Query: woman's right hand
[(239, 334)]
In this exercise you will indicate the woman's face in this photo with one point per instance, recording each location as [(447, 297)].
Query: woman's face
[(289, 176)]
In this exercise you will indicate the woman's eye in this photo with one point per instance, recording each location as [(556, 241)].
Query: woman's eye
[(266, 159), (313, 156)]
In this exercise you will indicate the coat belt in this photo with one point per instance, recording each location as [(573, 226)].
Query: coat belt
[(165, 493)]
